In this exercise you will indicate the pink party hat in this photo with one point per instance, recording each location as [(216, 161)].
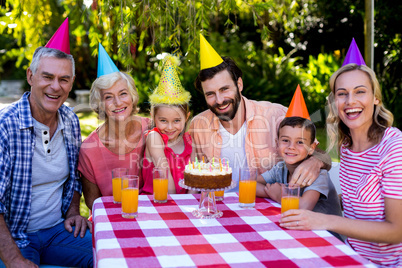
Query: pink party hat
[(353, 55), (61, 39)]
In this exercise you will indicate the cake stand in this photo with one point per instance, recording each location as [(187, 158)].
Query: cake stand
[(207, 208)]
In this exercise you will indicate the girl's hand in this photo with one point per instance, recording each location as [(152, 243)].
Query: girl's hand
[(300, 219)]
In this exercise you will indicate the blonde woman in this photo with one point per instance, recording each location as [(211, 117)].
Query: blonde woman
[(370, 171), (119, 141)]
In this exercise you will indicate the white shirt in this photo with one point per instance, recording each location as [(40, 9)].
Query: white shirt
[(49, 172), (233, 149)]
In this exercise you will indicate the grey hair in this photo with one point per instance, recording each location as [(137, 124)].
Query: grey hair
[(49, 52), (106, 82)]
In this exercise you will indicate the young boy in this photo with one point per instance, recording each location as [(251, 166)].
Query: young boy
[(296, 142)]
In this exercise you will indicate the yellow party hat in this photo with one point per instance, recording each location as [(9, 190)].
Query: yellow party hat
[(208, 56), (170, 90)]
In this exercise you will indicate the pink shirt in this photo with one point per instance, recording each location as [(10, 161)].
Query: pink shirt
[(366, 178), (96, 161), (262, 120), (177, 163)]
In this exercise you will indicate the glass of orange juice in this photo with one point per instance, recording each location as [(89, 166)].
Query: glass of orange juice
[(160, 184), (247, 187), (290, 197), (219, 195), (129, 196), (117, 174)]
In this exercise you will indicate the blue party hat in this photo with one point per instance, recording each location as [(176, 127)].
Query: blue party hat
[(354, 55), (105, 63)]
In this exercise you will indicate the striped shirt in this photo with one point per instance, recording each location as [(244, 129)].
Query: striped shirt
[(17, 142), (366, 178)]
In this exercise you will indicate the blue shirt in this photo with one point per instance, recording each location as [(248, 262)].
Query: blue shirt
[(328, 202), (17, 142)]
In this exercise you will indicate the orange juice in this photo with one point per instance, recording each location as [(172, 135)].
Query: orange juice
[(116, 182), (160, 189), (116, 189), (247, 191), (129, 200), (219, 193), (289, 202)]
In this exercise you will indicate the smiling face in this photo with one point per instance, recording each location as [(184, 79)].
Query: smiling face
[(294, 144), (222, 95), (117, 101), (354, 100), (50, 86), (170, 120)]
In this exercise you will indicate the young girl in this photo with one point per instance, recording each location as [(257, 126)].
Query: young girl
[(167, 144)]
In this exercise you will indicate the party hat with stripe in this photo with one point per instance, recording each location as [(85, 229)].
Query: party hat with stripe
[(61, 39), (297, 106)]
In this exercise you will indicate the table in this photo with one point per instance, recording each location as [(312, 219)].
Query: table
[(168, 235)]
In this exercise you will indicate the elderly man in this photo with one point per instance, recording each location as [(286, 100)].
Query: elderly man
[(39, 186), (240, 130)]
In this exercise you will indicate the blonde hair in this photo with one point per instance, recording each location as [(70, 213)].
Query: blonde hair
[(184, 108), (337, 131), (106, 82)]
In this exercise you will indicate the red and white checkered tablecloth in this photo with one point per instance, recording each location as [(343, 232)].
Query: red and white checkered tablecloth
[(168, 235)]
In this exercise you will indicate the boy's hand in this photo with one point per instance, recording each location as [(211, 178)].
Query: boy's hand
[(274, 191)]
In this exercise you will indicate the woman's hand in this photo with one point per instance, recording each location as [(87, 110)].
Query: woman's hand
[(300, 219)]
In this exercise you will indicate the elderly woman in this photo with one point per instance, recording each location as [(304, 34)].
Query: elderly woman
[(118, 142), (370, 172)]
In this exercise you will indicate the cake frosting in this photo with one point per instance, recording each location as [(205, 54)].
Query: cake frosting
[(212, 175)]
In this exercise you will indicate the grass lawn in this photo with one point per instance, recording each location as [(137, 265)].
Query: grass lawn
[(89, 122)]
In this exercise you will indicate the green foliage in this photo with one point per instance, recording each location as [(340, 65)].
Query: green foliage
[(88, 123), (321, 136), (315, 77), (344, 20), (277, 73)]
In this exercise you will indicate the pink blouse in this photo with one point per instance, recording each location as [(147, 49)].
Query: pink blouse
[(96, 161)]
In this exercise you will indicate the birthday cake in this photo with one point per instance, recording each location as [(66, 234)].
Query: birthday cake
[(212, 175)]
